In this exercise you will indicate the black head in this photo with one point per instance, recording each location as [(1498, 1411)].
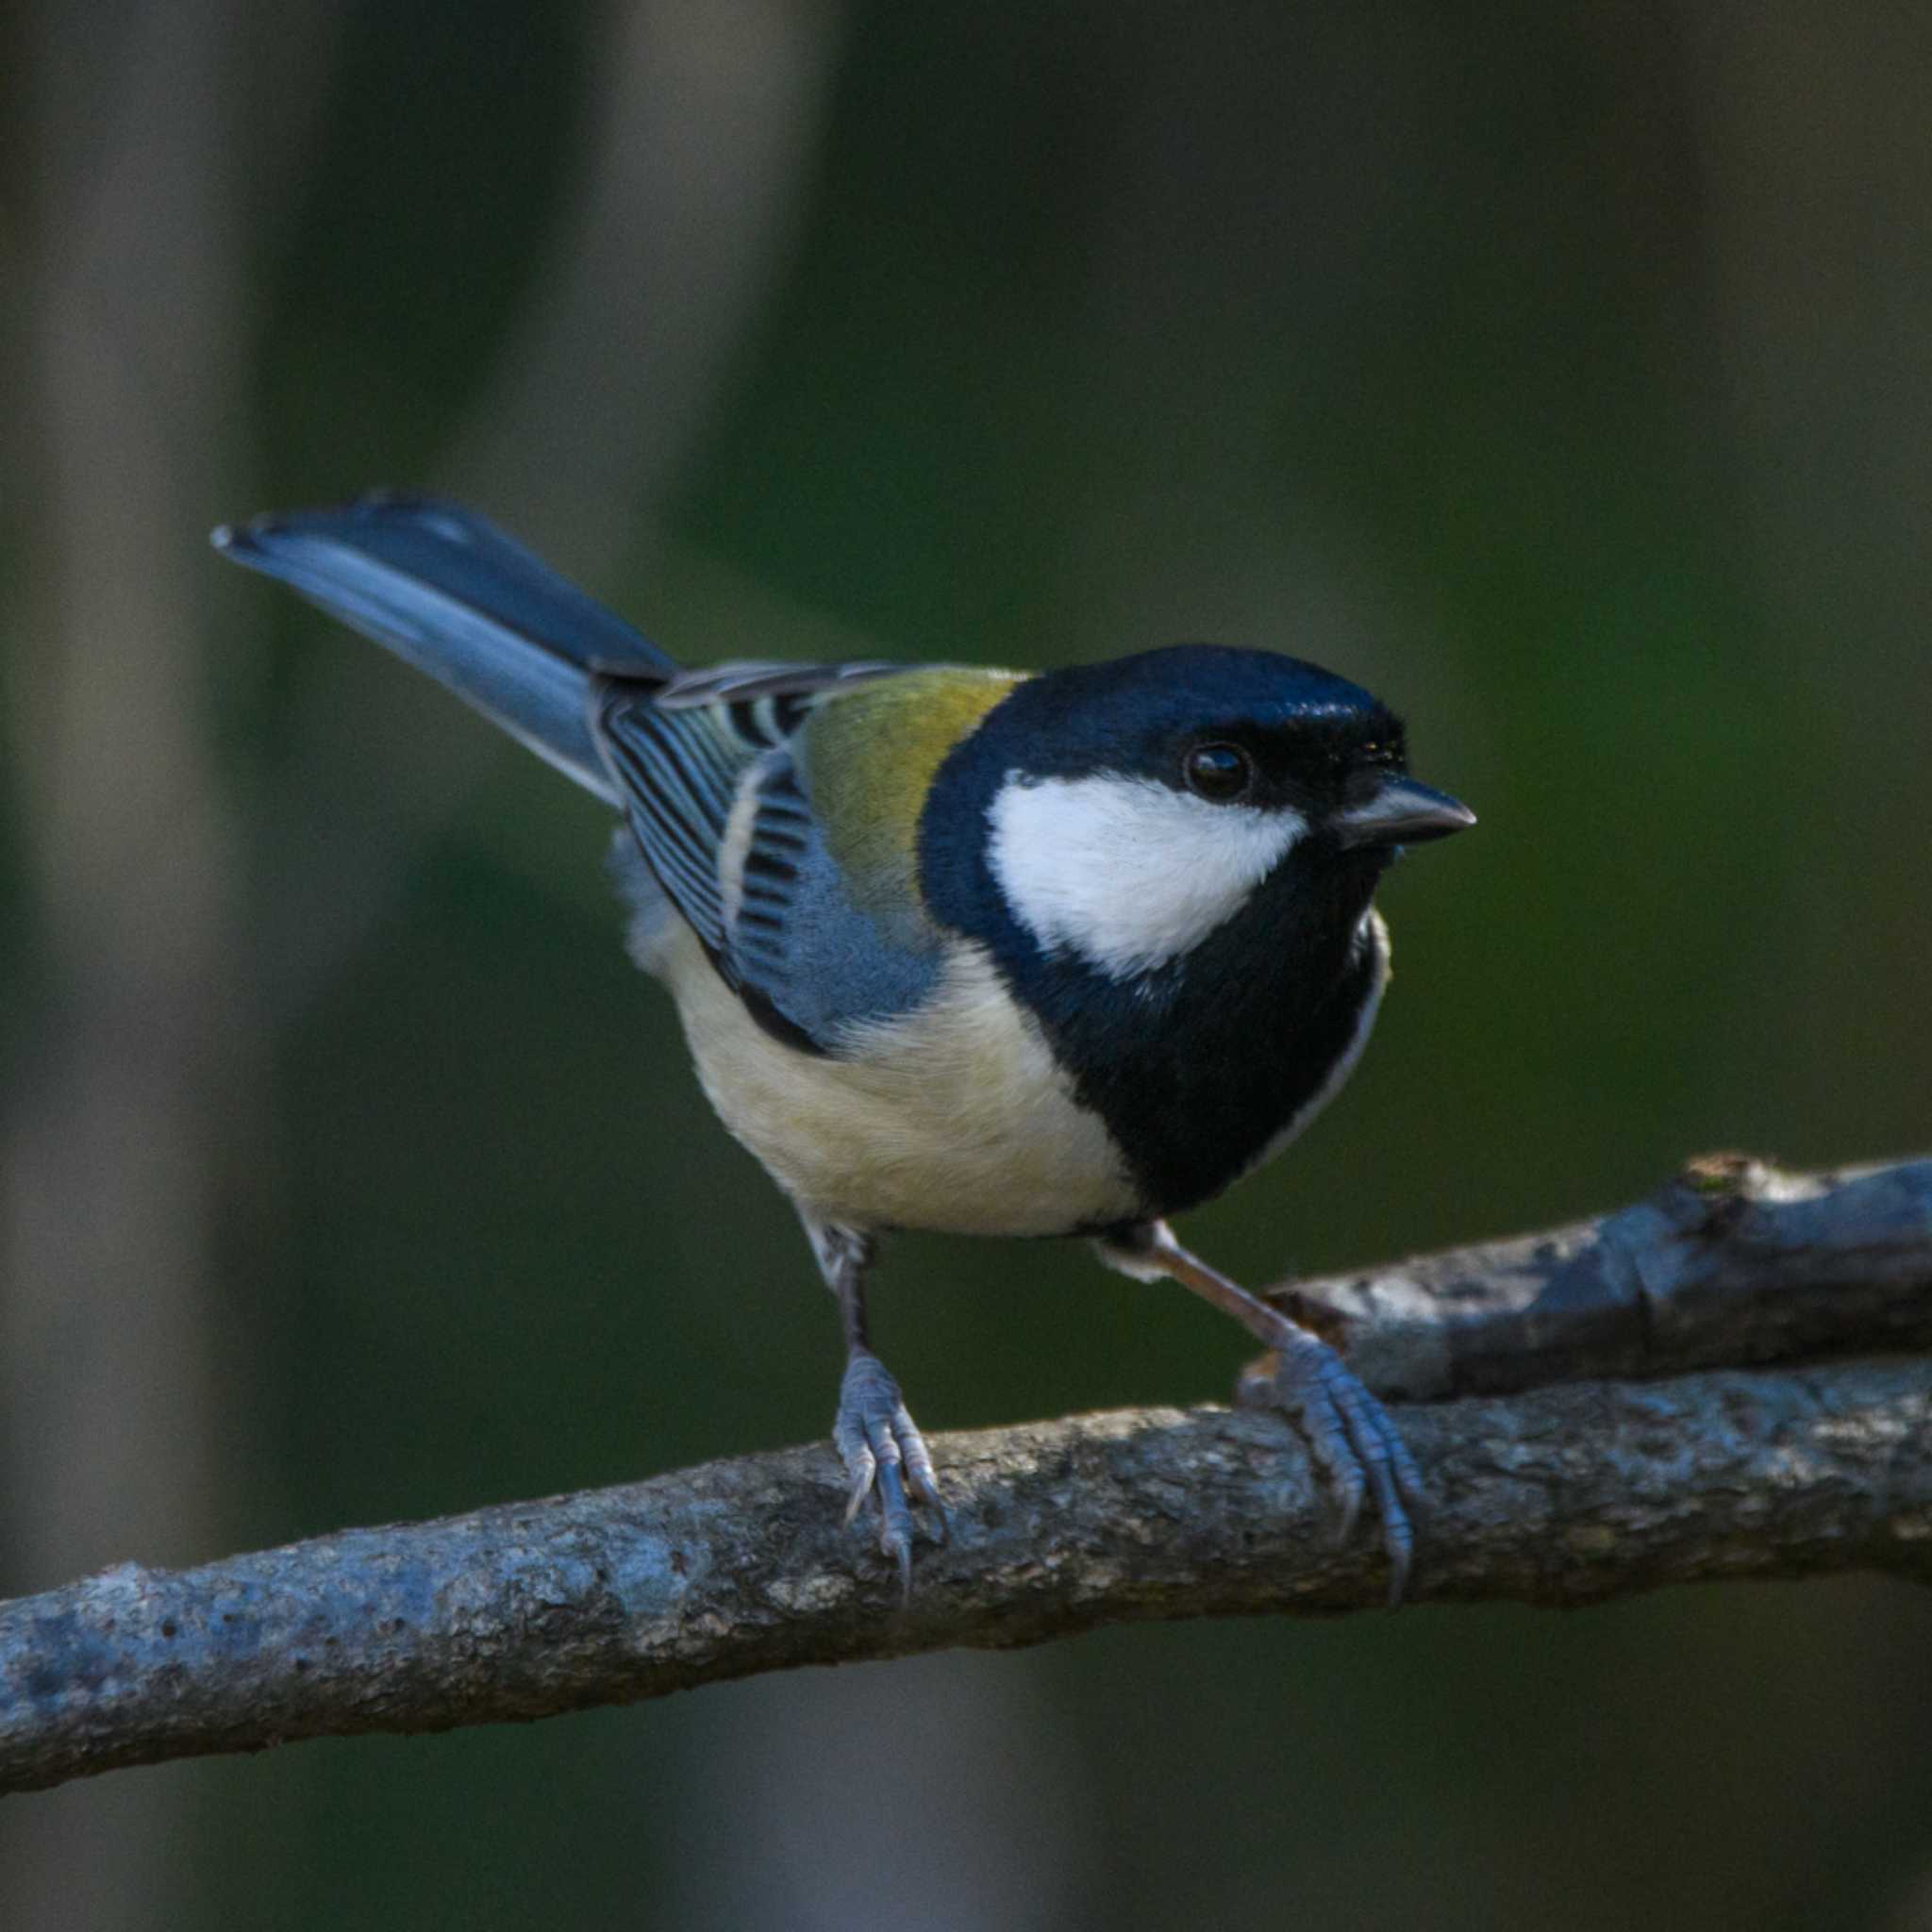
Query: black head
[(1059, 793), (1231, 727), (1171, 857)]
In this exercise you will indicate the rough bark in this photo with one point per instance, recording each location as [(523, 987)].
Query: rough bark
[(1564, 1493), (1733, 1262)]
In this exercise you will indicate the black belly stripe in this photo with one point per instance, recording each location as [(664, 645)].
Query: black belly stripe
[(1197, 1067)]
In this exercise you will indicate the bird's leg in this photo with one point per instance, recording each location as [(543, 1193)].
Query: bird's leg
[(885, 1455), (1348, 1430)]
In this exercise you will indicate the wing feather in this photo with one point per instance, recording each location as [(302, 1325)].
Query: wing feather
[(677, 775), (703, 767)]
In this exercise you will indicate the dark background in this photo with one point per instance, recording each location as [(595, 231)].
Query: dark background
[(1561, 372)]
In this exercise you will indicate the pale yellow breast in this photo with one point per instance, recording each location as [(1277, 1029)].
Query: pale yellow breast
[(955, 1120)]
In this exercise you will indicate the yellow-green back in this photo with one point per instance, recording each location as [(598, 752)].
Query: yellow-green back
[(868, 757)]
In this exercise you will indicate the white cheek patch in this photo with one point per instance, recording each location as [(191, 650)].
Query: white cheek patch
[(1127, 872)]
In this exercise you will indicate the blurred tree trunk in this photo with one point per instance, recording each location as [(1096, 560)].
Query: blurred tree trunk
[(142, 1059), (140, 1094)]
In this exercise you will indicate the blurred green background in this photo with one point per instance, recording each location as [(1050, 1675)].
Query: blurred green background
[(1561, 372)]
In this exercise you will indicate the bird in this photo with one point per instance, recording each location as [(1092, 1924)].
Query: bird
[(1061, 953)]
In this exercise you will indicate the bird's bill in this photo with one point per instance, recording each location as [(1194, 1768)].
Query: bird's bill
[(1402, 812)]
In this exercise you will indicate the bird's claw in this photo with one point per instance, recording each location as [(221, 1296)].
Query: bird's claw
[(885, 1458), (1350, 1437)]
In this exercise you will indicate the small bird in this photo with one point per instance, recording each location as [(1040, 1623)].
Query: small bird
[(980, 952)]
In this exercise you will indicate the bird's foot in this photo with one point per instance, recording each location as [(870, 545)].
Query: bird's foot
[(885, 1458), (1350, 1435)]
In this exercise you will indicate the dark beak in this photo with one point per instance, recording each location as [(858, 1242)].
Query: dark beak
[(1402, 813)]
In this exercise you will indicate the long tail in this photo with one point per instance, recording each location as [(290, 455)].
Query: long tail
[(454, 597)]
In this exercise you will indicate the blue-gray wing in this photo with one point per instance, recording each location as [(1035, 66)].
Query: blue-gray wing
[(720, 813), (677, 775)]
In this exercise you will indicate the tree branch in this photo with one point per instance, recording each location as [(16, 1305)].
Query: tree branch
[(1562, 1494), (1733, 1262)]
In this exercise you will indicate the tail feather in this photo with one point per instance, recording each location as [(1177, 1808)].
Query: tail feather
[(454, 597)]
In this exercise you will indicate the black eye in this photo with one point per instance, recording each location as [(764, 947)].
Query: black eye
[(1219, 772)]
